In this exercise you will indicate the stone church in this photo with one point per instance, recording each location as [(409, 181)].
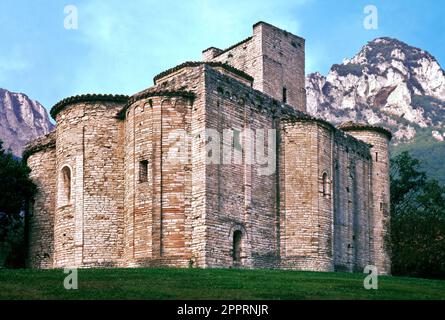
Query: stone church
[(109, 194)]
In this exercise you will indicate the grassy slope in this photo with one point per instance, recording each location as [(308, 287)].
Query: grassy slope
[(210, 284)]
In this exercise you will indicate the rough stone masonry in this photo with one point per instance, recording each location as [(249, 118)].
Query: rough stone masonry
[(109, 194)]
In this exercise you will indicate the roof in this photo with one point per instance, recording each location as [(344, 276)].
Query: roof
[(154, 92), (356, 126), (232, 46), (58, 107), (43, 143), (275, 27), (200, 63)]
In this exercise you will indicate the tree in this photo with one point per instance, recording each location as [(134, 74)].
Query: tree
[(417, 235), (16, 188)]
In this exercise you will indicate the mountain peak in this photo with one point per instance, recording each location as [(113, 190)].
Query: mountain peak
[(388, 82), (387, 41), (386, 49), (21, 120)]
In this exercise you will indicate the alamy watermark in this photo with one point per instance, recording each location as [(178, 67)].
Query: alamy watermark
[(371, 281), (71, 21), (371, 21), (229, 147), (71, 280)]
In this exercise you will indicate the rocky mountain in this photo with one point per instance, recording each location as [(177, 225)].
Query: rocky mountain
[(392, 84), (21, 120)]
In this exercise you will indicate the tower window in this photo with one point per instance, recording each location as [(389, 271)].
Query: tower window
[(143, 171), (376, 157), (284, 95)]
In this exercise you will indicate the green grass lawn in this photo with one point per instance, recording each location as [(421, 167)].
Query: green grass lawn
[(210, 284)]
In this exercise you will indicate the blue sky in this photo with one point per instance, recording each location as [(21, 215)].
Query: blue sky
[(121, 44)]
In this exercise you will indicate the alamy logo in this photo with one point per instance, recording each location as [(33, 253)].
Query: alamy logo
[(371, 21), (371, 280), (70, 281), (71, 21), (229, 147)]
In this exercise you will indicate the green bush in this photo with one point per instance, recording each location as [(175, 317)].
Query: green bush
[(16, 188)]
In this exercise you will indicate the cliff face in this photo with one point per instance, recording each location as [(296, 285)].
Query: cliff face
[(387, 83), (21, 120)]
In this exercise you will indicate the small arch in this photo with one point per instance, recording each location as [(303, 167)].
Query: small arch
[(239, 242), (236, 251), (65, 190)]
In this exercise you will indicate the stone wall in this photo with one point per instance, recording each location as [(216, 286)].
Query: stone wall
[(240, 194), (325, 199), (380, 201), (160, 207), (144, 180), (41, 222), (352, 204), (89, 226), (306, 210), (158, 180)]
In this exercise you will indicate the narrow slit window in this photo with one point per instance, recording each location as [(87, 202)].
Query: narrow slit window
[(325, 182), (376, 157), (143, 171), (284, 95)]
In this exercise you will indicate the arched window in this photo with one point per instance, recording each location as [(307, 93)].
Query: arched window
[(325, 181), (237, 236), (65, 186)]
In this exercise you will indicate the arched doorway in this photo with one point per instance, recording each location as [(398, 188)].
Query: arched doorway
[(238, 243), (236, 253)]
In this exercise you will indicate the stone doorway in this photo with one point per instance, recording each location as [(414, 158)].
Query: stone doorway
[(237, 247)]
